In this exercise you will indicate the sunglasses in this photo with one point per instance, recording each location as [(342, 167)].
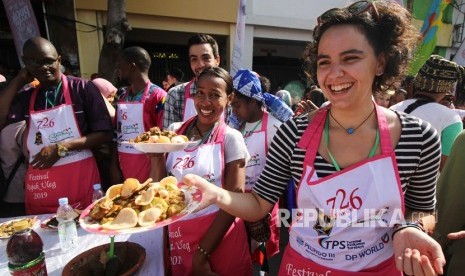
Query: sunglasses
[(354, 9), (39, 63)]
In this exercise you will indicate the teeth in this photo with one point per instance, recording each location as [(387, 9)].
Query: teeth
[(339, 87), (205, 112)]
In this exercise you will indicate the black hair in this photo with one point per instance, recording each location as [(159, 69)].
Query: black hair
[(391, 33), (219, 73), (204, 39), (139, 56), (265, 83)]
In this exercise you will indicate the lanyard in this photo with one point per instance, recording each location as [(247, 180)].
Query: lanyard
[(248, 133), (326, 137), (48, 99)]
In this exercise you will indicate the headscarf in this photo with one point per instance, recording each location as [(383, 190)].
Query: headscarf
[(248, 84), (105, 87), (285, 96)]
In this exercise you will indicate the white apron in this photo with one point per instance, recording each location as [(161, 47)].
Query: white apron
[(130, 120), (231, 257), (345, 220), (71, 176)]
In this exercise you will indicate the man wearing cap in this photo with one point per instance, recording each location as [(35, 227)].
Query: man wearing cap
[(437, 78), (179, 105)]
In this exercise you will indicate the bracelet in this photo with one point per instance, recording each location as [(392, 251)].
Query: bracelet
[(402, 226), (203, 251)]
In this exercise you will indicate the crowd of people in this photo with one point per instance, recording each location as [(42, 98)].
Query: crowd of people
[(377, 172)]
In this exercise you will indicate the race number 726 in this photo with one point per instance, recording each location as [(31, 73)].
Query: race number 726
[(340, 198)]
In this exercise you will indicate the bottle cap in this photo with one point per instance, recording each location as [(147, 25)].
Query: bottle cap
[(20, 225), (97, 186), (63, 201)]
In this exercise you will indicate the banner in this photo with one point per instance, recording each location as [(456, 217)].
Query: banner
[(459, 57), (237, 61), (22, 22), (431, 25)]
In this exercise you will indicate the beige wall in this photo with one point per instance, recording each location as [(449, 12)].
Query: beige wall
[(203, 16)]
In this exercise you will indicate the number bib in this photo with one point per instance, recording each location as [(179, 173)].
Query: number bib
[(71, 176), (344, 221), (206, 160)]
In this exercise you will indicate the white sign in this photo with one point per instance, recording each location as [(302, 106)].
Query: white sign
[(237, 55)]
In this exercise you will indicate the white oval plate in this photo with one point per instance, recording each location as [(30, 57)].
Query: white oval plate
[(160, 147)]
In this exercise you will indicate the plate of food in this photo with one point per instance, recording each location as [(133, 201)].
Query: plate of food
[(159, 141), (6, 228), (52, 222), (134, 207)]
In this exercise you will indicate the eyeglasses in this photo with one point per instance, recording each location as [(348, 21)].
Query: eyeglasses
[(355, 9), (39, 63)]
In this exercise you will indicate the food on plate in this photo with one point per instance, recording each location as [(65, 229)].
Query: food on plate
[(133, 204), (155, 135), (6, 228)]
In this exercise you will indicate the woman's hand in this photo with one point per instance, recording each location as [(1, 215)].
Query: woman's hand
[(201, 266), (417, 254), (46, 157), (211, 194), (456, 235)]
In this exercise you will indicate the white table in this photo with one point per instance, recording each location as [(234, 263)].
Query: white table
[(56, 259)]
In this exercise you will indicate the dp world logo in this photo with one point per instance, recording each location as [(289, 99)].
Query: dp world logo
[(299, 240)]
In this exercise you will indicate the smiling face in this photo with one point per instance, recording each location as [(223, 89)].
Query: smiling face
[(210, 100), (200, 57), (43, 62), (347, 66)]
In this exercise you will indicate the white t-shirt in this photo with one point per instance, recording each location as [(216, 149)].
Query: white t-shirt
[(234, 145), (273, 125), (436, 114)]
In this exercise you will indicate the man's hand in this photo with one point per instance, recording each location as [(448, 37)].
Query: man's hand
[(46, 157)]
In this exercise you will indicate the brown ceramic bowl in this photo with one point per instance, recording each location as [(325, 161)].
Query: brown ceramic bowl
[(87, 263)]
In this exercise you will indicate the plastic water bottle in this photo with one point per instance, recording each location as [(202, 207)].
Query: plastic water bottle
[(67, 231), (98, 193)]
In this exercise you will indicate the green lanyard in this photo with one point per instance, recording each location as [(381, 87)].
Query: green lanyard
[(249, 132), (326, 136), (49, 100)]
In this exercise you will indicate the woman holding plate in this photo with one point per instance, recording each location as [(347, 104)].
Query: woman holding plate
[(364, 173), (209, 241)]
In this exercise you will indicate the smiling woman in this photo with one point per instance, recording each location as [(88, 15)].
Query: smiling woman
[(218, 239), (351, 158)]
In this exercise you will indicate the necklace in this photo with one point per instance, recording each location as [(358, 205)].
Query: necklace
[(248, 133), (351, 130), (48, 99)]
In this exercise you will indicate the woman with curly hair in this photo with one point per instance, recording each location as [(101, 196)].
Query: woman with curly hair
[(365, 175)]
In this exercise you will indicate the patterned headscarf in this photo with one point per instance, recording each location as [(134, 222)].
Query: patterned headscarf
[(248, 84)]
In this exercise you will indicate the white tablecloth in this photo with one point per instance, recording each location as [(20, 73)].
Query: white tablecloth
[(56, 259)]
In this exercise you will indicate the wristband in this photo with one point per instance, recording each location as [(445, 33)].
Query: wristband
[(203, 251), (402, 226)]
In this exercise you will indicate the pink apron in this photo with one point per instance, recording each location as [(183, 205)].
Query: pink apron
[(189, 107), (232, 256), (344, 221), (257, 146), (71, 176), (130, 120)]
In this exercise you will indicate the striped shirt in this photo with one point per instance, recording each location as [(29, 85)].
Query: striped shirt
[(418, 155)]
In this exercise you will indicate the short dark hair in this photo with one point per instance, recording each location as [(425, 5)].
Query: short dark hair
[(176, 73), (204, 39), (220, 73), (139, 56)]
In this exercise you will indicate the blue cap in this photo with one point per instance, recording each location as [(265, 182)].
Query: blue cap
[(63, 201), (97, 186)]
